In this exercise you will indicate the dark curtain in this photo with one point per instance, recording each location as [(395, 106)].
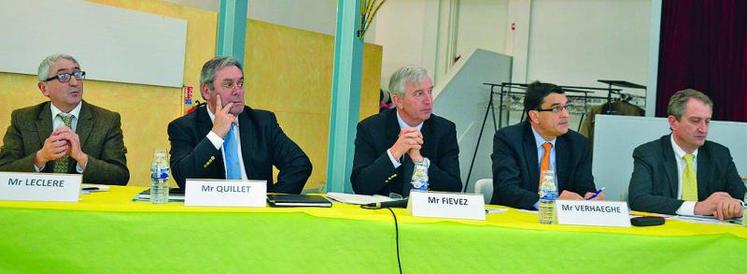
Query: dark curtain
[(704, 46)]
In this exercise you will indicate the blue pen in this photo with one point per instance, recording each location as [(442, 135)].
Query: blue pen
[(596, 193)]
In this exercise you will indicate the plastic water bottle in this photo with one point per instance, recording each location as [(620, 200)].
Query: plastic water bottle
[(548, 193), (420, 175), (159, 178)]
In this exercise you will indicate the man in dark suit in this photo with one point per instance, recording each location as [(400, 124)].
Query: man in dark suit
[(228, 140), (542, 142), (683, 173), (66, 134), (387, 144)]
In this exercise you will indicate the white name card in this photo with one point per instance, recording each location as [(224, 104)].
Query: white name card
[(597, 213), (51, 187), (447, 205), (207, 192)]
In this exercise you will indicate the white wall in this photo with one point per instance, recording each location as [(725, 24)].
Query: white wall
[(569, 42), (577, 42), (400, 30), (482, 24), (418, 32)]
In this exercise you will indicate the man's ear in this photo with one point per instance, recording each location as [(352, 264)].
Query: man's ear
[(533, 116), (396, 100), (673, 122), (43, 88), (205, 92)]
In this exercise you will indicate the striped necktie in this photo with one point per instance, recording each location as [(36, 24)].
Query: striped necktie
[(61, 165)]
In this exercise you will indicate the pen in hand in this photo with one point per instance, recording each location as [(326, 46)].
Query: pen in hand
[(596, 193)]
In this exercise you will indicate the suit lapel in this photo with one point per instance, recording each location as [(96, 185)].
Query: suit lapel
[(85, 123), (562, 159), (530, 156), (392, 127), (427, 149), (704, 171), (247, 130), (670, 164), (44, 123), (404, 172), (204, 125)]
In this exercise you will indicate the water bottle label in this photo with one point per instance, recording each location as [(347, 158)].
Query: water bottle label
[(549, 195), (419, 185), (159, 173)]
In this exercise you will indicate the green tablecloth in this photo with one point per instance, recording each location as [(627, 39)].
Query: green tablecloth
[(37, 238)]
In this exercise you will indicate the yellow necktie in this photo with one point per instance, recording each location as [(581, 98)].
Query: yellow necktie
[(689, 180)]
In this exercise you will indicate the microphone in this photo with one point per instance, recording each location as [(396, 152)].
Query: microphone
[(401, 203)]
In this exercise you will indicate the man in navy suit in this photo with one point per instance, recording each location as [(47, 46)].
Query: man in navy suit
[(542, 141), (228, 140), (683, 173), (387, 144)]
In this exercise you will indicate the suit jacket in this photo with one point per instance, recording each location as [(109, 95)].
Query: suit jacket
[(263, 145), (516, 169), (98, 129), (373, 172), (654, 184)]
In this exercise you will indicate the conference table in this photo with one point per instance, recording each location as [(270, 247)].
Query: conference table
[(108, 232)]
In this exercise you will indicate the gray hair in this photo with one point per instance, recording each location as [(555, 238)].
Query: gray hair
[(207, 75), (677, 102), (43, 72), (412, 74)]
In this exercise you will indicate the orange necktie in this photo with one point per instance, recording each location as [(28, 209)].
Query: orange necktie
[(545, 163)]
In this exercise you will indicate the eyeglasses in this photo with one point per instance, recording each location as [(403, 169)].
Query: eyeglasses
[(231, 85), (65, 77), (555, 109)]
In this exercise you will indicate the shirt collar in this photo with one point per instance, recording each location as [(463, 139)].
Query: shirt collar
[(75, 112), (539, 140), (403, 124), (210, 113), (678, 151)]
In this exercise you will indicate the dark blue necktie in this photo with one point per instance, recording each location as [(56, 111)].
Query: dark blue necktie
[(231, 150)]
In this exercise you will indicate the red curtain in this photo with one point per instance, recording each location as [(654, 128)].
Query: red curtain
[(704, 46)]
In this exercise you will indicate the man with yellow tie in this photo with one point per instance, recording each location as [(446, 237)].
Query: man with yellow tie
[(682, 173), (542, 142)]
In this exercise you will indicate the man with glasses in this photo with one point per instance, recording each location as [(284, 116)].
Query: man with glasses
[(65, 134), (228, 140), (542, 142), (389, 143)]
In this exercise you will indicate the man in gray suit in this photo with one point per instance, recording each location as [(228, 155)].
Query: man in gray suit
[(683, 173), (65, 134)]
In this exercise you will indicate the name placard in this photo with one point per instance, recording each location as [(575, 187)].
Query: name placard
[(597, 213), (447, 205), (51, 187), (209, 192)]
